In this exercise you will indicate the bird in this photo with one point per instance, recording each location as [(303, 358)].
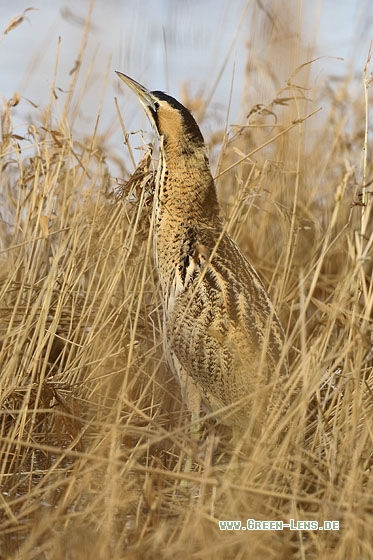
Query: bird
[(223, 339)]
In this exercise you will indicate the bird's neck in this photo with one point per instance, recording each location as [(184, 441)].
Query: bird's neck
[(186, 207), (186, 187)]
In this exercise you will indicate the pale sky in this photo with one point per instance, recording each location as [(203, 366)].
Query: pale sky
[(163, 44)]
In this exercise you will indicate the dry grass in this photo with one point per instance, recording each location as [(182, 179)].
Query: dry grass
[(93, 433)]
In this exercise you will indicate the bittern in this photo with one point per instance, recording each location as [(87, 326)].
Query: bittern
[(222, 337)]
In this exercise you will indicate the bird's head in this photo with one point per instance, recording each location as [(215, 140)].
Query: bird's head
[(171, 119)]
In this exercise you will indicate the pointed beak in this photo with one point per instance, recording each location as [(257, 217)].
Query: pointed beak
[(142, 93)]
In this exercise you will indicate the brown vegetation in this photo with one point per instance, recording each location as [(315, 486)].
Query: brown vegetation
[(93, 433)]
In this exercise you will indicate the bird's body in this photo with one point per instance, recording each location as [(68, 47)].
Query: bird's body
[(222, 336)]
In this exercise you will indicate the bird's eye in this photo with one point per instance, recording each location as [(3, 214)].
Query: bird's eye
[(156, 105)]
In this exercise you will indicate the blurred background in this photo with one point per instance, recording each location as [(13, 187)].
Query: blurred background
[(208, 48)]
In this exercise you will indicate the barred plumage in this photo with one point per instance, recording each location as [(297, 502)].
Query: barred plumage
[(222, 336)]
